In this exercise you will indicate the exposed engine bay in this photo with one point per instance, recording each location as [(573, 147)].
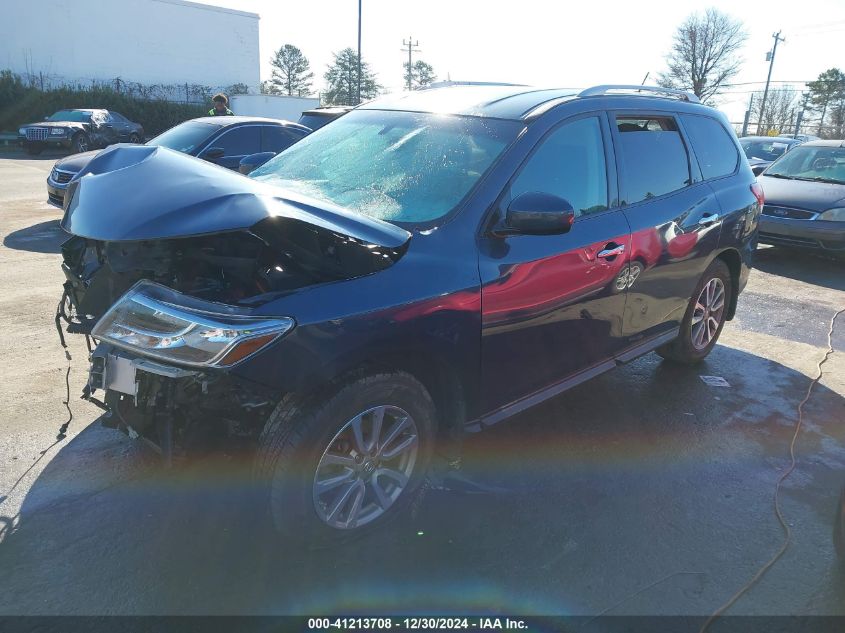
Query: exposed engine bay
[(233, 268)]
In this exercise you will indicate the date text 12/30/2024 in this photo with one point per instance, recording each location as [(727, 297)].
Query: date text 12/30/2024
[(416, 624)]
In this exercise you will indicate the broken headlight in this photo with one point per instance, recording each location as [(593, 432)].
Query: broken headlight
[(155, 321)]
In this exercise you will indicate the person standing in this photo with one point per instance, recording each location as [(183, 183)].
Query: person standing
[(221, 106)]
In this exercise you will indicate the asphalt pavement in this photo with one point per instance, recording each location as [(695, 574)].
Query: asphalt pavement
[(645, 491)]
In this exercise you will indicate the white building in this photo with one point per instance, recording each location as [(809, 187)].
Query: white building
[(152, 42)]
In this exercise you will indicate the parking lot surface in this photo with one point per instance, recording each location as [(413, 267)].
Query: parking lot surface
[(645, 491)]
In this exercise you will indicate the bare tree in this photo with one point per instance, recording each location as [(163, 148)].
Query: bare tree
[(705, 54), (781, 108)]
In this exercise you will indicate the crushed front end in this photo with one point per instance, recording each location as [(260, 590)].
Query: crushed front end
[(171, 290)]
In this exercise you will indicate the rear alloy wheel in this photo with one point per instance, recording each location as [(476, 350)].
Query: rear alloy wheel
[(79, 143), (705, 317), (134, 138), (708, 313), (348, 461)]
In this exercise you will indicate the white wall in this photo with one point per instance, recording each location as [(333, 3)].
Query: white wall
[(146, 41), (272, 106)]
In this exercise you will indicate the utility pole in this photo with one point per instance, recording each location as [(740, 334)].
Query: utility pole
[(747, 116), (359, 51), (805, 101), (770, 57), (412, 46)]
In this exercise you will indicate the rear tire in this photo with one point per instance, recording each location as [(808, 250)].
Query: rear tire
[(34, 149), (134, 138), (304, 451), (705, 317)]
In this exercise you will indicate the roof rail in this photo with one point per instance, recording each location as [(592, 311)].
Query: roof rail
[(657, 90)]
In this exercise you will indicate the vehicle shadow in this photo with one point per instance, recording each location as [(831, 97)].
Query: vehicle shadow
[(44, 237), (802, 266), (642, 474)]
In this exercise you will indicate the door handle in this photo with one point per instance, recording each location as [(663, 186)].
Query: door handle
[(708, 219), (611, 251)]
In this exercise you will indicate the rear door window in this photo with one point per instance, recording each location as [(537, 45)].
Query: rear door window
[(713, 146), (241, 141), (652, 157)]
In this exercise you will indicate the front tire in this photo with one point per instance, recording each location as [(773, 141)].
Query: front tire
[(705, 317), (79, 143), (34, 149), (348, 463)]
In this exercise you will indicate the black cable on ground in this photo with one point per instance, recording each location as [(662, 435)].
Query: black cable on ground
[(787, 532)]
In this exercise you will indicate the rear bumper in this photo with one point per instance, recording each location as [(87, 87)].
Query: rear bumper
[(816, 235)]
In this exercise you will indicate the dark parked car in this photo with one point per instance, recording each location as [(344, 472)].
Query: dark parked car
[(79, 131), (318, 117), (225, 141), (805, 198), (761, 151), (428, 265)]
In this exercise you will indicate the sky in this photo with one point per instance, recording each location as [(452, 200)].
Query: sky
[(547, 42)]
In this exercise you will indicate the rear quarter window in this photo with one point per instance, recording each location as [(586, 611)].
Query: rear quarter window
[(713, 146)]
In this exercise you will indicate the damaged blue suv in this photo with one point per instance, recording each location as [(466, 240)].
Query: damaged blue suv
[(430, 264)]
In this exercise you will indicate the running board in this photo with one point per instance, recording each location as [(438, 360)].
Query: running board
[(558, 388)]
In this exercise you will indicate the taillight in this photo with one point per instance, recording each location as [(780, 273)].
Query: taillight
[(757, 190)]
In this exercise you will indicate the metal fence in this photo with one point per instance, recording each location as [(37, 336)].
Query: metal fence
[(186, 92)]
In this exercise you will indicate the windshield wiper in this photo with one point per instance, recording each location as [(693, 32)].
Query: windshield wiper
[(833, 181)]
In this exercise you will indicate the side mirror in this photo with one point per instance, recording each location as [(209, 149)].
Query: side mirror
[(536, 213), (253, 161), (213, 153), (758, 169)]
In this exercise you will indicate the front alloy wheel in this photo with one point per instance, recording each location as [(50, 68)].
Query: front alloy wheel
[(345, 462), (80, 143), (366, 467)]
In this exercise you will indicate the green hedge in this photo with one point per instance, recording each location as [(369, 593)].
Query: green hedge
[(21, 104)]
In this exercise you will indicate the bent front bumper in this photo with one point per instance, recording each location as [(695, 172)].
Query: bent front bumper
[(817, 235), (176, 410)]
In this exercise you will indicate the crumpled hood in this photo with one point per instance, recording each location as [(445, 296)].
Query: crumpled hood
[(140, 192), (76, 124), (802, 194), (76, 162)]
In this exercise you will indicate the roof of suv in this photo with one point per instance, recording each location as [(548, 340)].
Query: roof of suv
[(824, 143), (500, 101)]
